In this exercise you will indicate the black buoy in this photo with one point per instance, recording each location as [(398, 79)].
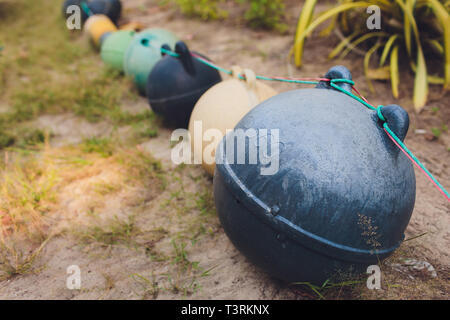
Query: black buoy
[(330, 193), (110, 8), (176, 83)]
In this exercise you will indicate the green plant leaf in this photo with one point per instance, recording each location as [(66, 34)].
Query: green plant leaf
[(382, 73), (362, 39), (327, 31), (431, 79), (395, 76), (387, 48), (436, 46), (303, 29), (444, 18), (303, 23), (408, 8), (420, 82), (367, 62), (341, 45)]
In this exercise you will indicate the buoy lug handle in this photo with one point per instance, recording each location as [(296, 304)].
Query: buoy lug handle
[(185, 56), (337, 72), (397, 119), (166, 48)]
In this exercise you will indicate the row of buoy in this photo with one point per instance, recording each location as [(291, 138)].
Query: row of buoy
[(182, 89), (110, 8), (336, 196)]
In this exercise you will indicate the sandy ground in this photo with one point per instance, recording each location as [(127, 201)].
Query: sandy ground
[(124, 272)]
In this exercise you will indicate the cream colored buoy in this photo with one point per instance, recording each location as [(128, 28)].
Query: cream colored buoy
[(98, 25), (220, 109)]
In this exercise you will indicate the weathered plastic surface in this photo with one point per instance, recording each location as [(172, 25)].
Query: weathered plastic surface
[(342, 197), (110, 8), (221, 108), (97, 26), (175, 85), (144, 52), (114, 48)]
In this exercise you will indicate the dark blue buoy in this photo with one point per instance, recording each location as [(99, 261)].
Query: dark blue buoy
[(176, 83), (110, 8), (333, 194)]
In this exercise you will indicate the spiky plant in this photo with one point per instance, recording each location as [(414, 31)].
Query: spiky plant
[(411, 30)]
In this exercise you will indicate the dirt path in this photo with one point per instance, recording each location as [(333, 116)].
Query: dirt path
[(175, 247)]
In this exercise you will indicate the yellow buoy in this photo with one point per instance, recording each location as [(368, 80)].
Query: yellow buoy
[(98, 25), (220, 109)]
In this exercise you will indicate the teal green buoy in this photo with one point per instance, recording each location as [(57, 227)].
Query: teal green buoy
[(114, 48), (144, 52)]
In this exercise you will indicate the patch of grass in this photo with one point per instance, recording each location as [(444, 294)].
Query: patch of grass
[(203, 9), (180, 256), (435, 110), (149, 287), (28, 186), (185, 285), (105, 188), (127, 118), (6, 139), (27, 137), (15, 262), (113, 232), (195, 209), (149, 133), (102, 146), (332, 290), (143, 167), (437, 132), (265, 14), (39, 77), (205, 202), (22, 137), (28, 191), (31, 182)]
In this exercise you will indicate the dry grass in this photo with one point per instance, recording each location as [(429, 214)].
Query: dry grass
[(33, 184), (27, 195)]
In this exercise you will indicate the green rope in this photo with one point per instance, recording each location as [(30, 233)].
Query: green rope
[(380, 115), (408, 152), (170, 53), (351, 94), (214, 66), (86, 8)]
